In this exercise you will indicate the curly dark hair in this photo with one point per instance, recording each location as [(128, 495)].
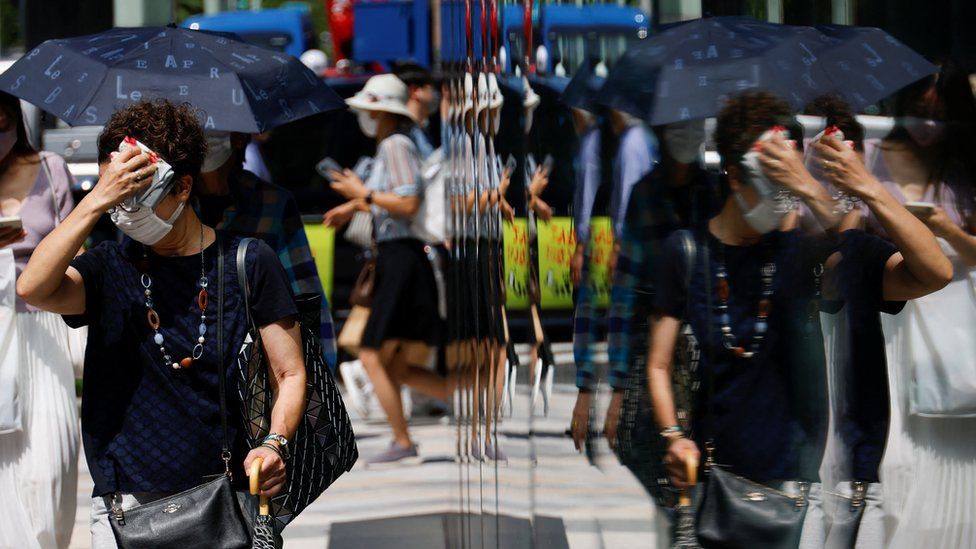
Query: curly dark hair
[(171, 130), (838, 113), (744, 118)]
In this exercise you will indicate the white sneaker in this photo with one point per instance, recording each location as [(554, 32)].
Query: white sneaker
[(358, 387), (536, 385), (508, 393), (407, 401), (547, 389)]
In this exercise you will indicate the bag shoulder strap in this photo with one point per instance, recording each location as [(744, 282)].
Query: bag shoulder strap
[(690, 249), (242, 279), (221, 370), (50, 184)]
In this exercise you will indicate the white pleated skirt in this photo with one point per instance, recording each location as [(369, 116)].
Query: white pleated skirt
[(928, 474), (39, 463)]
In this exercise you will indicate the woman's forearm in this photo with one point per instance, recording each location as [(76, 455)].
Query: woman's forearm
[(283, 347), (398, 206), (289, 403), (45, 271), (964, 244), (662, 399), (923, 257), (823, 206), (664, 337)]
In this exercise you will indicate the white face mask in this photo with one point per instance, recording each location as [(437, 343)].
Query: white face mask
[(924, 131), (774, 201), (7, 141), (367, 124), (143, 225), (218, 151), (763, 217)]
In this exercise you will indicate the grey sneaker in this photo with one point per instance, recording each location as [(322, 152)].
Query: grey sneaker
[(476, 452), (395, 454), (495, 453)]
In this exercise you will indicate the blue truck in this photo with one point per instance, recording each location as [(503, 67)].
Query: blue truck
[(288, 29)]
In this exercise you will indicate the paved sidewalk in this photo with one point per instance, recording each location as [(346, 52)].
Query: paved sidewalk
[(596, 507)]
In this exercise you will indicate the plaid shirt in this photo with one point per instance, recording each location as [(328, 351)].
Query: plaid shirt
[(650, 219), (269, 212)]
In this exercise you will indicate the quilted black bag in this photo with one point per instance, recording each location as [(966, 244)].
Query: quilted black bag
[(324, 447)]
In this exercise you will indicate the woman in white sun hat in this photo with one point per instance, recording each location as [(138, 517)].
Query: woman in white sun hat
[(404, 312)]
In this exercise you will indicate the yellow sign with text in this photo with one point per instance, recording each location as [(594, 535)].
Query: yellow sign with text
[(321, 240)]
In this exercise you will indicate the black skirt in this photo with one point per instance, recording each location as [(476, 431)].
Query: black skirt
[(405, 298)]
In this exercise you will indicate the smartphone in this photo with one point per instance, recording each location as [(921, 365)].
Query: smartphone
[(510, 164), (12, 222), (326, 166), (920, 209), (547, 164)]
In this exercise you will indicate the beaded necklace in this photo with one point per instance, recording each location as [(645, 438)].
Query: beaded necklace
[(764, 307), (152, 316), (729, 341)]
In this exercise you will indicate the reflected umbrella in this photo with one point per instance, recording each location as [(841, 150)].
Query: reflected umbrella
[(689, 70), (868, 64)]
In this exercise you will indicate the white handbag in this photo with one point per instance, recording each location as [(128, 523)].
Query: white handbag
[(10, 413), (938, 333), (429, 224)]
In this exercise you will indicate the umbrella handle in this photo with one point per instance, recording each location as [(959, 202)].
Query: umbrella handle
[(255, 478), (691, 469)]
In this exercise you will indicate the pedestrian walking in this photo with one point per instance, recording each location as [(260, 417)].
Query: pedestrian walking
[(404, 317), (752, 299)]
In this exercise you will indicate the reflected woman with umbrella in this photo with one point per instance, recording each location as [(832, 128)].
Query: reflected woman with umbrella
[(752, 299)]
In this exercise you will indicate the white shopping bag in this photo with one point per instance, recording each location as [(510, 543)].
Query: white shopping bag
[(9, 345), (940, 330)]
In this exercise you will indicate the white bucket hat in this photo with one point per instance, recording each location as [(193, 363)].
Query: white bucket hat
[(530, 101), (483, 86), (495, 98), (383, 92)]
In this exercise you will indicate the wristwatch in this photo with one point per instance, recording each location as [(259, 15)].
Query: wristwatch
[(281, 440), (369, 197)]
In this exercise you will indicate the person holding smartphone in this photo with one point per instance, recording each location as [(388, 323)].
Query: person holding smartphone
[(404, 311), (38, 414), (927, 163)]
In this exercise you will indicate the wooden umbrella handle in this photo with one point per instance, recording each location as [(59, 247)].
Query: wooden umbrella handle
[(255, 478), (691, 469)]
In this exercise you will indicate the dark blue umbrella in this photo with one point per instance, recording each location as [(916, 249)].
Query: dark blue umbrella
[(236, 86), (868, 64), (582, 90), (689, 70)]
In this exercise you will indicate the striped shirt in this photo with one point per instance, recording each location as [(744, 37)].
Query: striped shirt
[(396, 170)]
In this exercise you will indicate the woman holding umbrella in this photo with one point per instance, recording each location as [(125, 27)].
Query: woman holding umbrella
[(404, 314), (752, 300), (151, 421)]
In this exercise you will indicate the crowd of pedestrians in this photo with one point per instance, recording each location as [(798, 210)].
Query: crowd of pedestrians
[(798, 315)]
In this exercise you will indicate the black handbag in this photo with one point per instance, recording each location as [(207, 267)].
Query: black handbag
[(324, 446), (736, 512), (207, 516), (733, 511)]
